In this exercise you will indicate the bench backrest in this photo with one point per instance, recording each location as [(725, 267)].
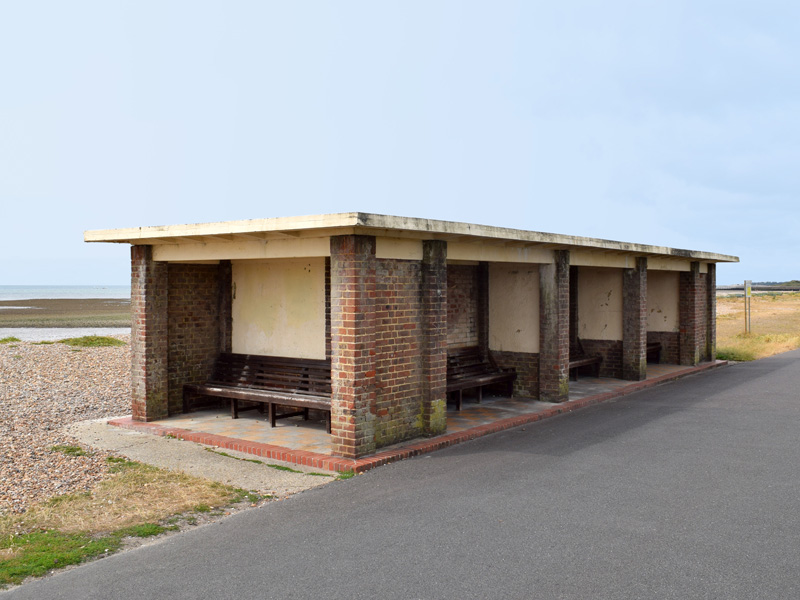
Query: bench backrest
[(273, 373), (468, 362)]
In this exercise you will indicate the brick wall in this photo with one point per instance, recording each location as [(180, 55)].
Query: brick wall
[(554, 328), (527, 367), (148, 336), (434, 330), (691, 308), (194, 327), (670, 347), (702, 311), (611, 351), (398, 351), (634, 321), (711, 312), (462, 306), (353, 359)]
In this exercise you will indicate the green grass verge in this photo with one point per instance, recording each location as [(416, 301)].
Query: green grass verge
[(10, 340), (92, 341), (35, 554), (736, 354)]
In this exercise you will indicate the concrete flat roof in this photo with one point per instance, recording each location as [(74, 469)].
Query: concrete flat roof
[(382, 226)]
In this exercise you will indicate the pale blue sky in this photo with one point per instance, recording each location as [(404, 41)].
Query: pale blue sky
[(671, 123)]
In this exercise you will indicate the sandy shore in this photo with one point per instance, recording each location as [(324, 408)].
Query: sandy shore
[(66, 312)]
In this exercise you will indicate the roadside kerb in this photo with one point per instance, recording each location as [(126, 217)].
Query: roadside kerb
[(336, 464)]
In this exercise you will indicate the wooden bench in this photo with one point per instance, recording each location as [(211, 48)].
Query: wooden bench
[(654, 348), (578, 358), (467, 368), (269, 380)]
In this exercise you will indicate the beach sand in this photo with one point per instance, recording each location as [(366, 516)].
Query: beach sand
[(66, 312)]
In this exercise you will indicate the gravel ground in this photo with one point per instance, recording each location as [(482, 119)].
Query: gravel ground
[(42, 389), (55, 394)]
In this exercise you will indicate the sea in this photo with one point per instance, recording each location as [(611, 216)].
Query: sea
[(36, 292)]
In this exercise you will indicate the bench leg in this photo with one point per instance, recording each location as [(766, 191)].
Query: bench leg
[(234, 408), (459, 399), (328, 421), (305, 414), (271, 412)]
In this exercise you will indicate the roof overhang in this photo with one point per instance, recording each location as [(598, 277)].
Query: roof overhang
[(358, 223)]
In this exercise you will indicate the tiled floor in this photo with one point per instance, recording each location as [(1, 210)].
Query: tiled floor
[(296, 434)]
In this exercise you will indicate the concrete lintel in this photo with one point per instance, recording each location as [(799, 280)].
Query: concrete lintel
[(385, 225)]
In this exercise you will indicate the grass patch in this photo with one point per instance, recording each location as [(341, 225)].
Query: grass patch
[(70, 450), (135, 501), (34, 554), (42, 343), (346, 474), (226, 455), (92, 341), (283, 468), (9, 340), (320, 474)]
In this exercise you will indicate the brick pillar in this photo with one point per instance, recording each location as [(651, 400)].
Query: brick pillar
[(353, 345), (574, 318), (149, 343), (634, 321), (689, 309), (434, 324), (225, 275), (554, 328), (711, 312), (482, 318)]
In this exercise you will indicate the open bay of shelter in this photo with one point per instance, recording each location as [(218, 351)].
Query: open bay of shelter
[(384, 299)]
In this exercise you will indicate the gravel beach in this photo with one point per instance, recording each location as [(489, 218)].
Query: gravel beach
[(54, 394), (42, 389)]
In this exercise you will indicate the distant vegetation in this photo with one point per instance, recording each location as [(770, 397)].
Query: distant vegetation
[(792, 283)]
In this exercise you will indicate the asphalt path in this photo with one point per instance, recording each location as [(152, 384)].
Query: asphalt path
[(688, 490)]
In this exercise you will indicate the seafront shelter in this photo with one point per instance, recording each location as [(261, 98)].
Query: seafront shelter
[(384, 299)]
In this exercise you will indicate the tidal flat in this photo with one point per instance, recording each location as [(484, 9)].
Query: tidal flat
[(66, 312)]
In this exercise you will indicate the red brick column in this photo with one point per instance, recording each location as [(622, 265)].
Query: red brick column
[(482, 318), (225, 302), (149, 375), (711, 312), (634, 321), (434, 324), (554, 329), (353, 345), (690, 309)]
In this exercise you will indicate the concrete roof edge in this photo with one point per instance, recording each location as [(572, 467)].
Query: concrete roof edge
[(363, 222)]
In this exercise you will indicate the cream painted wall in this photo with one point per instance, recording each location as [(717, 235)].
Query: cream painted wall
[(279, 307), (663, 296), (514, 307), (599, 303)]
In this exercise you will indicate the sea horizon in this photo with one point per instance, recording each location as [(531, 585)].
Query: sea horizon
[(42, 292)]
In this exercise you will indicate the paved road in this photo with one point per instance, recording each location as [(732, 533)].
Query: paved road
[(686, 491)]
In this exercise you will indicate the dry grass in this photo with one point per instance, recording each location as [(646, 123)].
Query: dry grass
[(136, 494), (775, 325)]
